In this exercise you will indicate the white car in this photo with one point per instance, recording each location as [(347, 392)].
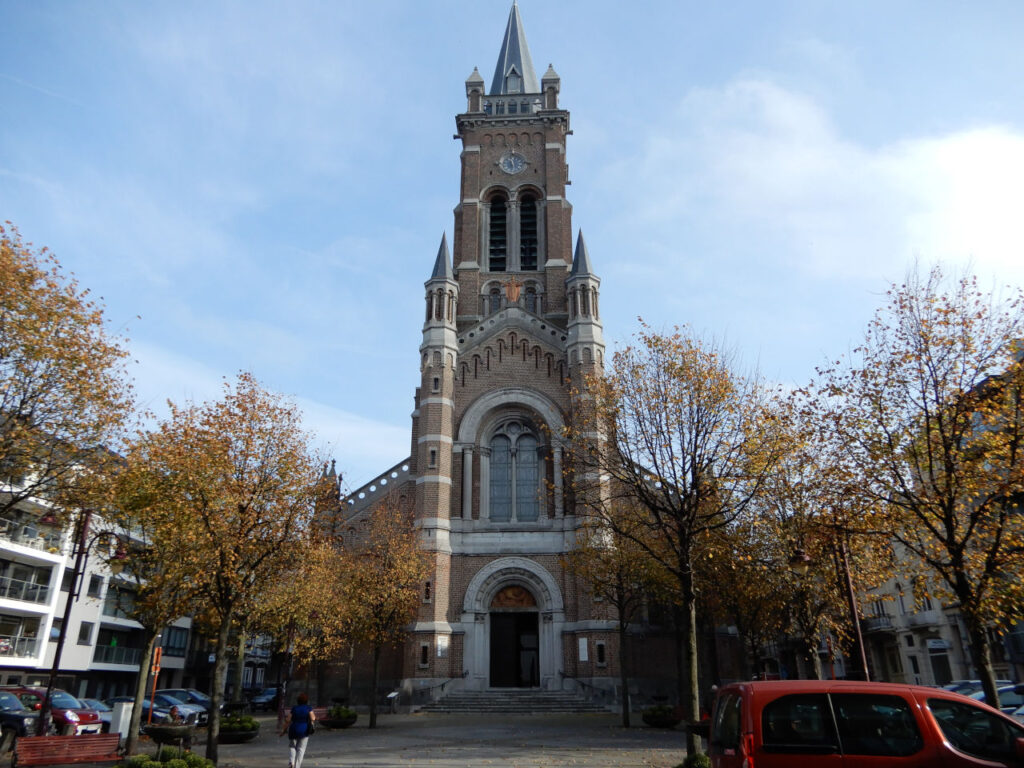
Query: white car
[(190, 712)]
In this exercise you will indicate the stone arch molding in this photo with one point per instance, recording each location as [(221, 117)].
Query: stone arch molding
[(513, 570), (480, 409)]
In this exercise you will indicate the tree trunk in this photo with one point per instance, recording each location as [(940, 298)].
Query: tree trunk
[(373, 690), (236, 693), (624, 674), (981, 656), (220, 673), (348, 676), (132, 739), (691, 702)]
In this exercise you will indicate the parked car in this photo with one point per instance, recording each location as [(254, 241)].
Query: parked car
[(192, 713), (15, 720), (967, 687), (69, 715), (1011, 697), (191, 696), (835, 723), (265, 700), (161, 714), (106, 713)]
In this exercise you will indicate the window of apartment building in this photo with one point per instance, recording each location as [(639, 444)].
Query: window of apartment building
[(432, 460), (427, 594), (424, 655), (601, 653), (67, 580), (175, 641), (909, 640), (435, 384), (95, 585), (85, 633), (55, 630)]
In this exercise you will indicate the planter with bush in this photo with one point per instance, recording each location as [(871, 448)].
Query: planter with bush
[(661, 716), (238, 729), (339, 716)]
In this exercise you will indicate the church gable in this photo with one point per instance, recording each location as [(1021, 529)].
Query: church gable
[(511, 353)]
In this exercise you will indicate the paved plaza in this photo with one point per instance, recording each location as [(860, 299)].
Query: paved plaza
[(459, 741)]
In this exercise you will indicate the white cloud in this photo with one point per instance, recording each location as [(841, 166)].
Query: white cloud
[(768, 166)]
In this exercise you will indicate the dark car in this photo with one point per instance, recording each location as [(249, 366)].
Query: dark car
[(70, 716), (192, 696), (15, 720), (161, 714), (265, 700)]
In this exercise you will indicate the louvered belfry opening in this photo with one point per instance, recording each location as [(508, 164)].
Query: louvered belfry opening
[(498, 236), (528, 233)]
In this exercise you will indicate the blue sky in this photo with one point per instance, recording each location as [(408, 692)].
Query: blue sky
[(263, 185)]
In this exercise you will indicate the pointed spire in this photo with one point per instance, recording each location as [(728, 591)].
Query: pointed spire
[(475, 77), (581, 261), (443, 264), (514, 54)]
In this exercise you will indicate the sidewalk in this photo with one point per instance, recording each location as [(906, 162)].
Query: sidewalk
[(457, 741)]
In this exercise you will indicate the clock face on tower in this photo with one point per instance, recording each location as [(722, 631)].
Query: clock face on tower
[(512, 162)]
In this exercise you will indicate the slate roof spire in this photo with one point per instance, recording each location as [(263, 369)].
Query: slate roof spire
[(514, 55), (581, 261), (443, 263)]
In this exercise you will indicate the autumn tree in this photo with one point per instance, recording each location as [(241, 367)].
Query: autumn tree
[(929, 409), (229, 489), (378, 586), (673, 431), (615, 569), (64, 395), (747, 585), (144, 589)]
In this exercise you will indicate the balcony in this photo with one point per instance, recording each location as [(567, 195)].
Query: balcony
[(923, 618), (116, 654), (27, 535), (18, 646), (876, 624)]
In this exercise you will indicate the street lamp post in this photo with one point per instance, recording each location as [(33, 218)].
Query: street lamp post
[(800, 562), (80, 552)]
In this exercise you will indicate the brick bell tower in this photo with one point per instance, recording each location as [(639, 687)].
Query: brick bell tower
[(511, 317)]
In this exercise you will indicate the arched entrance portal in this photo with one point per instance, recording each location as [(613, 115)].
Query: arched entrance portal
[(515, 639), (513, 617)]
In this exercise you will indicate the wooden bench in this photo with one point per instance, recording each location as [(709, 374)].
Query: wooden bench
[(64, 750), (320, 713)]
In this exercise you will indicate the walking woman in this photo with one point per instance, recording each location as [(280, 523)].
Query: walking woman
[(298, 725)]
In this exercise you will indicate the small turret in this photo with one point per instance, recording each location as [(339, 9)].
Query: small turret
[(474, 91), (586, 336), (550, 85), (442, 290)]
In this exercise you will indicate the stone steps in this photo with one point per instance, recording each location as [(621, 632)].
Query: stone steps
[(512, 703)]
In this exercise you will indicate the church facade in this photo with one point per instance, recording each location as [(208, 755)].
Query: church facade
[(511, 321)]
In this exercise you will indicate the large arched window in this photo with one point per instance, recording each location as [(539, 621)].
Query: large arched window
[(515, 474), (497, 235)]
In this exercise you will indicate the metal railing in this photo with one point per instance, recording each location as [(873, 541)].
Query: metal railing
[(116, 654), (18, 646), (29, 591), (28, 536), (876, 623)]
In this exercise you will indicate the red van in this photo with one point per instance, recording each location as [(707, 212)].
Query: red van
[(832, 723)]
